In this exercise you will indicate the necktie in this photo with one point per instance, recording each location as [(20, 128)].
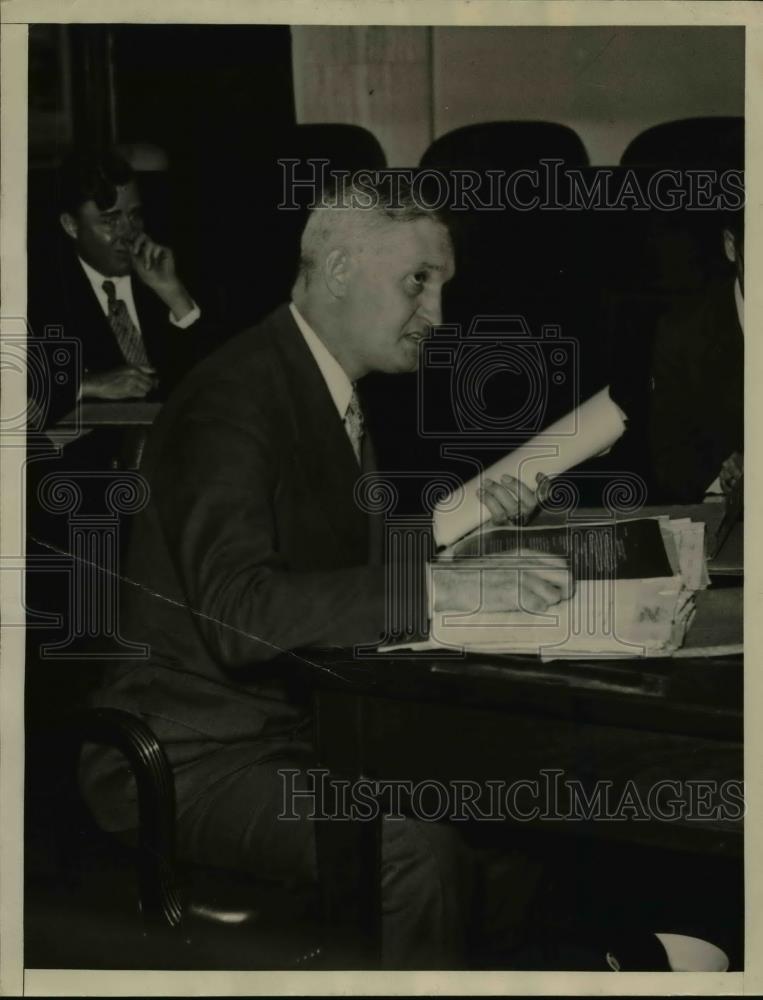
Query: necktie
[(353, 422), (127, 334)]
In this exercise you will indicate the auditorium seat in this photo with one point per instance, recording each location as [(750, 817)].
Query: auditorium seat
[(689, 142), (506, 257), (509, 263), (659, 258), (260, 236), (346, 147), (605, 276), (507, 144), (683, 244)]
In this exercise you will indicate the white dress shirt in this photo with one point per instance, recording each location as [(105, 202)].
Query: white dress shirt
[(123, 290), (341, 389), (335, 377)]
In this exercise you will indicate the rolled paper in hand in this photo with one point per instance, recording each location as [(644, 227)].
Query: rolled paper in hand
[(584, 432)]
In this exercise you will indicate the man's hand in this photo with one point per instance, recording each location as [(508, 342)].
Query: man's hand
[(731, 471), (502, 583), (119, 383), (155, 266), (510, 500)]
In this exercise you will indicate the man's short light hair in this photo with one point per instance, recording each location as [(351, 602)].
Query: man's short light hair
[(348, 214)]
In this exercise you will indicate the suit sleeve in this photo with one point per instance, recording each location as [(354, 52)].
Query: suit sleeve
[(177, 349), (216, 493), (683, 455)]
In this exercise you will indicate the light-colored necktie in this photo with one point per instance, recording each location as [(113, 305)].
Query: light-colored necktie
[(353, 422), (128, 335)]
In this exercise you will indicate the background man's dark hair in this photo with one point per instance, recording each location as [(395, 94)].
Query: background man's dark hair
[(92, 175)]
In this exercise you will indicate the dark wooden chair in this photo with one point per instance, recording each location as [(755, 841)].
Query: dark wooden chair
[(93, 901)]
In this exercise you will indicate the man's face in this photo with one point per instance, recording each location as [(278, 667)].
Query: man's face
[(103, 238), (394, 294)]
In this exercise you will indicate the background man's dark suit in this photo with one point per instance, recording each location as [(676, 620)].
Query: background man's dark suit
[(254, 526), (697, 400), (60, 295)]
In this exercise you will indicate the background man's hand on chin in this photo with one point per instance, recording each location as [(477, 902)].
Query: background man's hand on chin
[(155, 266)]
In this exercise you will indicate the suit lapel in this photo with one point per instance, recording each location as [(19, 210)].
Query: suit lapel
[(99, 345), (721, 330), (87, 322), (324, 453)]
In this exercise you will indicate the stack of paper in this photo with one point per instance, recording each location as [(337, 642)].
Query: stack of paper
[(635, 582), (588, 430), (635, 579)]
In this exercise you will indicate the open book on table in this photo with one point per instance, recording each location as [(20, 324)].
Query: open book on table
[(634, 592), (635, 582)]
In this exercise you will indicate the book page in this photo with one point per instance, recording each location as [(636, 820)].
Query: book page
[(629, 550), (586, 431)]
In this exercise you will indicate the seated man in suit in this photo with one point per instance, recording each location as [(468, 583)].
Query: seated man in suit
[(696, 418), (253, 546), (108, 285)]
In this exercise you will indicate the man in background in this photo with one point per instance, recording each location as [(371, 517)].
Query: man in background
[(696, 418), (106, 283)]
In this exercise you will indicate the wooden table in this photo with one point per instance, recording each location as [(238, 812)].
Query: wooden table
[(106, 413), (132, 416), (112, 413), (630, 723)]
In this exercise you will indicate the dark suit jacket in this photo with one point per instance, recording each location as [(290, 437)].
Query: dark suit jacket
[(696, 415), (60, 296), (252, 545)]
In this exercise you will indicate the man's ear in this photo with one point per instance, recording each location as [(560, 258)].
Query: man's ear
[(336, 272), (68, 224), (729, 246)]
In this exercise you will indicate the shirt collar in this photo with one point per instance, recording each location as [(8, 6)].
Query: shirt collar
[(97, 279), (335, 377), (739, 300)]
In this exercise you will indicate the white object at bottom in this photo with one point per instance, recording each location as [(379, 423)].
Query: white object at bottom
[(690, 954)]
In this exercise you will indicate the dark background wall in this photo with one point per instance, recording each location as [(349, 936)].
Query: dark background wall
[(224, 102), (212, 98)]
